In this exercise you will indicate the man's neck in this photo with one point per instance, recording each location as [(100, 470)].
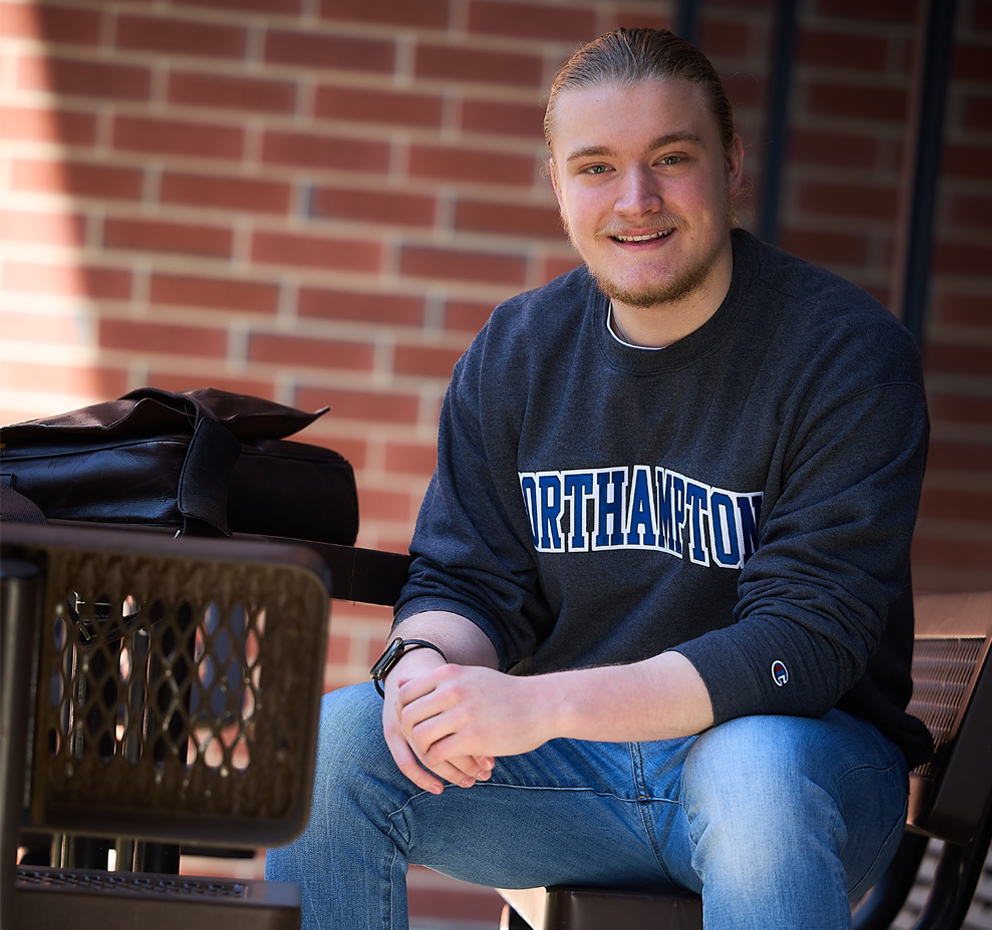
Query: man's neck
[(663, 324), (658, 326), (620, 336)]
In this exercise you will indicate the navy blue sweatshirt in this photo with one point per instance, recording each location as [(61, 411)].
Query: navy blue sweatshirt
[(745, 496)]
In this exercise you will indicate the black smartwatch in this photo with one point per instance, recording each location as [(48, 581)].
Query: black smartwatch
[(394, 652)]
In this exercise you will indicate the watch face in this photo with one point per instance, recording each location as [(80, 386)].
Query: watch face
[(388, 659)]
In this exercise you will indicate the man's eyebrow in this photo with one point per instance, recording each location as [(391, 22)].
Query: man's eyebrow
[(681, 135), (589, 151)]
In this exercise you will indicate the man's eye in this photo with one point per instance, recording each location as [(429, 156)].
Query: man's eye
[(597, 169), (671, 159)]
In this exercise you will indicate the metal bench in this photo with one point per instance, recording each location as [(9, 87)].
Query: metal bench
[(160, 689), (950, 798)]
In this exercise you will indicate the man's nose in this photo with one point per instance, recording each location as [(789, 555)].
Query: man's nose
[(640, 193)]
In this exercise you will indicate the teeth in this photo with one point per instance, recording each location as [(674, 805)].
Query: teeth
[(648, 238)]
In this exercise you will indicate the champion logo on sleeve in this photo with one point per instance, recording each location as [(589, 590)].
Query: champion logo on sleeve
[(780, 674)]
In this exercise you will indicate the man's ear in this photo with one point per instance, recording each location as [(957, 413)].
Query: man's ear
[(554, 181), (735, 165)]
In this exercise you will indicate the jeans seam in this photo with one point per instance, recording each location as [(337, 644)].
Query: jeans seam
[(389, 890), (899, 824), (854, 770), (580, 789), (403, 807), (644, 803), (900, 820)]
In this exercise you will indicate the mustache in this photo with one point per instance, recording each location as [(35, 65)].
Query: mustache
[(656, 224)]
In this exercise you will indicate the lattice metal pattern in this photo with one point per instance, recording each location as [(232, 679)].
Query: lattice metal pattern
[(177, 685), (942, 672), (173, 687), (116, 883)]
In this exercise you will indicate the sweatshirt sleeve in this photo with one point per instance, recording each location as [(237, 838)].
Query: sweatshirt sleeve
[(832, 555), (468, 554)]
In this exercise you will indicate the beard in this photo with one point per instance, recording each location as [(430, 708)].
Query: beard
[(670, 288)]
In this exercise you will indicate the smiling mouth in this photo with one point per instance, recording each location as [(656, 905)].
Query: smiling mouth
[(661, 234)]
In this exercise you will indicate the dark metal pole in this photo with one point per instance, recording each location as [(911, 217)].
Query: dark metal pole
[(932, 78), (778, 115), (687, 21), (22, 586)]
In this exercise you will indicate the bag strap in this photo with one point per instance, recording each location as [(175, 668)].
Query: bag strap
[(206, 473), (15, 507)]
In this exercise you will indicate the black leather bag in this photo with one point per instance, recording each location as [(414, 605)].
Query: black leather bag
[(206, 462)]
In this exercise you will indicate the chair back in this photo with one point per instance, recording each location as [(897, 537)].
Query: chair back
[(177, 688), (952, 695)]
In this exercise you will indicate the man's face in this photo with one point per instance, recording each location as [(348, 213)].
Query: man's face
[(645, 189)]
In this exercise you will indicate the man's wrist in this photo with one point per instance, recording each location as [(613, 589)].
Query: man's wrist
[(392, 655)]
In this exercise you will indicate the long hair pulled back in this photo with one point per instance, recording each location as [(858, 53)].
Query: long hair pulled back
[(630, 56)]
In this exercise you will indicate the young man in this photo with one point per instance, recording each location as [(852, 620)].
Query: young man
[(650, 625)]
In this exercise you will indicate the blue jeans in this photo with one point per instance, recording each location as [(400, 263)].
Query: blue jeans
[(775, 820)]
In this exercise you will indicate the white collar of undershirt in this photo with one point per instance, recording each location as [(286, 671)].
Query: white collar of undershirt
[(614, 331)]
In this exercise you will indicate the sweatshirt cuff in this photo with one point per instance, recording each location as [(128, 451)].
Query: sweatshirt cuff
[(728, 675)]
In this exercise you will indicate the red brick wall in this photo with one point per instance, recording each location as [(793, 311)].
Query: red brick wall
[(954, 539), (844, 205), (319, 201)]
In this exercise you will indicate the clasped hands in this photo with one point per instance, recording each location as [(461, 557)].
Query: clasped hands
[(453, 721)]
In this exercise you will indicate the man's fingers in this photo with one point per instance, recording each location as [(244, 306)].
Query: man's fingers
[(434, 714), (463, 772), (408, 764), (471, 771), (410, 689)]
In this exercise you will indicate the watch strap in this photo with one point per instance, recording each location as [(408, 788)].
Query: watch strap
[(394, 652)]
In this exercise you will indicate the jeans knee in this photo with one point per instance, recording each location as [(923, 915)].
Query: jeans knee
[(752, 794), (352, 756), (349, 715), (742, 764)]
